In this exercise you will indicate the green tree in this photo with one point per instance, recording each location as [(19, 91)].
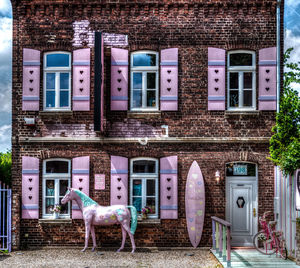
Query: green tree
[(5, 167), (285, 142)]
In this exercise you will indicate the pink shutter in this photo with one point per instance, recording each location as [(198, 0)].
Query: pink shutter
[(80, 180), (169, 79), (119, 180), (119, 80), (31, 80), (30, 187), (81, 79), (168, 188), (267, 79), (216, 79)]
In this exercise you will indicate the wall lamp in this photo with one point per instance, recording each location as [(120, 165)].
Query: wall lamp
[(217, 176)]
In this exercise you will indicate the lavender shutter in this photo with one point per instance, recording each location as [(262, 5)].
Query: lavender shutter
[(81, 79), (267, 79), (119, 180), (168, 188), (80, 180), (169, 79), (30, 187), (119, 80), (216, 79), (31, 80)]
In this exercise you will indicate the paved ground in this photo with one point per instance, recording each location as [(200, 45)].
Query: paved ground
[(201, 258)]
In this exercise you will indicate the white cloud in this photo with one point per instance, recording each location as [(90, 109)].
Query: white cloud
[(292, 3), (5, 8), (6, 33), (5, 137)]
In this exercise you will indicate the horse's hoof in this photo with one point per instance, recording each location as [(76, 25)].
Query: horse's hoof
[(133, 251), (119, 249), (83, 250), (93, 249)]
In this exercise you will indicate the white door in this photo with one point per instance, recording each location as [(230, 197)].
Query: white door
[(241, 209)]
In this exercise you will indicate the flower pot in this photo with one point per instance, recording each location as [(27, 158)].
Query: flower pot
[(55, 215), (144, 216)]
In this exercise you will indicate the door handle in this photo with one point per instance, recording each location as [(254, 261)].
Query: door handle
[(254, 212)]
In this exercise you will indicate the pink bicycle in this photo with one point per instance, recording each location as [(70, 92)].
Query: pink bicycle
[(268, 240)]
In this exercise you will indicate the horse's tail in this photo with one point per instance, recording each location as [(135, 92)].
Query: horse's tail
[(133, 219)]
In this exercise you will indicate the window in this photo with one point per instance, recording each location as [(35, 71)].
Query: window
[(56, 180), (144, 81), (241, 169), (241, 80), (57, 81), (144, 185)]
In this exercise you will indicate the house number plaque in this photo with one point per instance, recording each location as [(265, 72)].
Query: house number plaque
[(240, 170), (99, 181)]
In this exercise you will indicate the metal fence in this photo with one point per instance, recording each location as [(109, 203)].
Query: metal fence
[(5, 217)]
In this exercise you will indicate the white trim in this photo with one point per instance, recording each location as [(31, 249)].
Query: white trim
[(144, 177), (144, 70), (241, 70), (57, 71)]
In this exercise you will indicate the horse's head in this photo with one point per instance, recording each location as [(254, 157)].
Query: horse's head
[(69, 196)]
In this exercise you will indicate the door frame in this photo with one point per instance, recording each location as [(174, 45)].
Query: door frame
[(245, 179)]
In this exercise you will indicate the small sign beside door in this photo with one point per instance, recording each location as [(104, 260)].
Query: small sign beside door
[(99, 181), (240, 170)]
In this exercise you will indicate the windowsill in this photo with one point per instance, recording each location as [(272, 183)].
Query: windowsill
[(149, 221), (241, 112), (55, 221), (143, 114), (57, 113)]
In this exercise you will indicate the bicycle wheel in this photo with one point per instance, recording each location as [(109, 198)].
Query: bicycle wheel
[(263, 246)]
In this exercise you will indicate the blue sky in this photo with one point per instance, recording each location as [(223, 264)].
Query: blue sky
[(292, 39)]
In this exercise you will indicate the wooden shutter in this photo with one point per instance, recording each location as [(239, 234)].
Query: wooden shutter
[(119, 180), (81, 79), (30, 187), (267, 79), (80, 180), (216, 79), (169, 79), (119, 80), (168, 188), (31, 80)]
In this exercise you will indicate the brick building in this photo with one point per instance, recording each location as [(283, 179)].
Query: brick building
[(137, 91)]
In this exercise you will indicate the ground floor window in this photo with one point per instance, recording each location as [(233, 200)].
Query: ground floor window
[(56, 180), (144, 185)]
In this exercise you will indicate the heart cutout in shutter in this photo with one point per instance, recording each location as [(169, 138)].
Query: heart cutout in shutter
[(30, 188), (119, 89), (119, 80), (169, 89), (169, 197), (81, 72), (267, 79), (30, 197), (80, 188), (169, 80), (30, 179), (81, 89), (168, 188), (267, 88), (119, 188), (31, 80), (216, 88), (267, 71), (81, 80), (119, 179), (30, 89), (31, 72), (169, 71), (216, 71), (119, 71), (80, 179), (168, 179), (216, 80), (119, 197)]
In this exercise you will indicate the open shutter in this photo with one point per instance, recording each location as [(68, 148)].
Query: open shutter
[(168, 188), (169, 79), (216, 79), (119, 180), (81, 79), (31, 80), (80, 180), (30, 187), (119, 79), (267, 79)]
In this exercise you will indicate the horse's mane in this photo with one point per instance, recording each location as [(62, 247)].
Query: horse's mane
[(86, 201)]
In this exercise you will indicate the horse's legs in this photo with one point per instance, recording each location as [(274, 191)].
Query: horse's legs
[(127, 228), (123, 238), (93, 237), (87, 235)]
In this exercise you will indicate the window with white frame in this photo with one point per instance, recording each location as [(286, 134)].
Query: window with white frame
[(57, 81), (144, 81), (56, 180), (144, 184), (241, 80)]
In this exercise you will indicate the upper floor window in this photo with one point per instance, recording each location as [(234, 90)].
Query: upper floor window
[(241, 80), (57, 81), (144, 185), (56, 180), (144, 81)]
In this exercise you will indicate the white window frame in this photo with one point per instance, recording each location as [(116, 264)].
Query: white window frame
[(241, 70), (57, 71), (144, 70), (144, 177), (56, 177)]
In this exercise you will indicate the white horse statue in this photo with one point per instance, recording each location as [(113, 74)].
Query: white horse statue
[(94, 214)]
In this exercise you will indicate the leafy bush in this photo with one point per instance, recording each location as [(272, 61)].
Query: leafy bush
[(5, 167)]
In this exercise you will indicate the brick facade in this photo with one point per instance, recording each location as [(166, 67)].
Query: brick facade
[(150, 25)]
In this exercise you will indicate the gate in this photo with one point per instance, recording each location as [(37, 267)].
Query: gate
[(5, 217)]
